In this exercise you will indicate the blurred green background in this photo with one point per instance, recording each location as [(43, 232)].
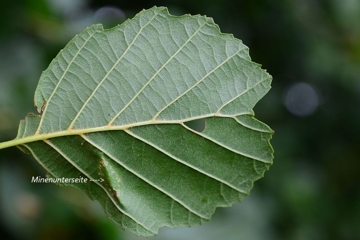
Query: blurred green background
[(312, 50)]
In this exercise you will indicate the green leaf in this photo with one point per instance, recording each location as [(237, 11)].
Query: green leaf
[(115, 106)]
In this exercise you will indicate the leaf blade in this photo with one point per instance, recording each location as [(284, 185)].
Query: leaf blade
[(114, 105)]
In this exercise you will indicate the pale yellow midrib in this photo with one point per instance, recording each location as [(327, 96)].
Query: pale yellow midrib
[(40, 137), (64, 133)]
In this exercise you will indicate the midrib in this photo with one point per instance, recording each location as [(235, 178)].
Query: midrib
[(71, 132)]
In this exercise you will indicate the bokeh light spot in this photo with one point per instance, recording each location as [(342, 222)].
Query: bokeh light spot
[(301, 99), (109, 15)]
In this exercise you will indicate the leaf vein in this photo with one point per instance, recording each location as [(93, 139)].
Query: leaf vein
[(240, 94), (96, 182), (142, 177), (224, 146), (198, 82), (251, 127), (60, 80), (157, 72), (187, 164), (111, 69)]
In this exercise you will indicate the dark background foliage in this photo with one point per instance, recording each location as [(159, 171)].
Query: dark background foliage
[(312, 50)]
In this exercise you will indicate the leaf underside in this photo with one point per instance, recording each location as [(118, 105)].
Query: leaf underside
[(114, 104)]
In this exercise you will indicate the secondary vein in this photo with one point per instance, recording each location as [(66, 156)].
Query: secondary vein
[(108, 73), (156, 73), (197, 83), (60, 80), (67, 158), (144, 178)]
